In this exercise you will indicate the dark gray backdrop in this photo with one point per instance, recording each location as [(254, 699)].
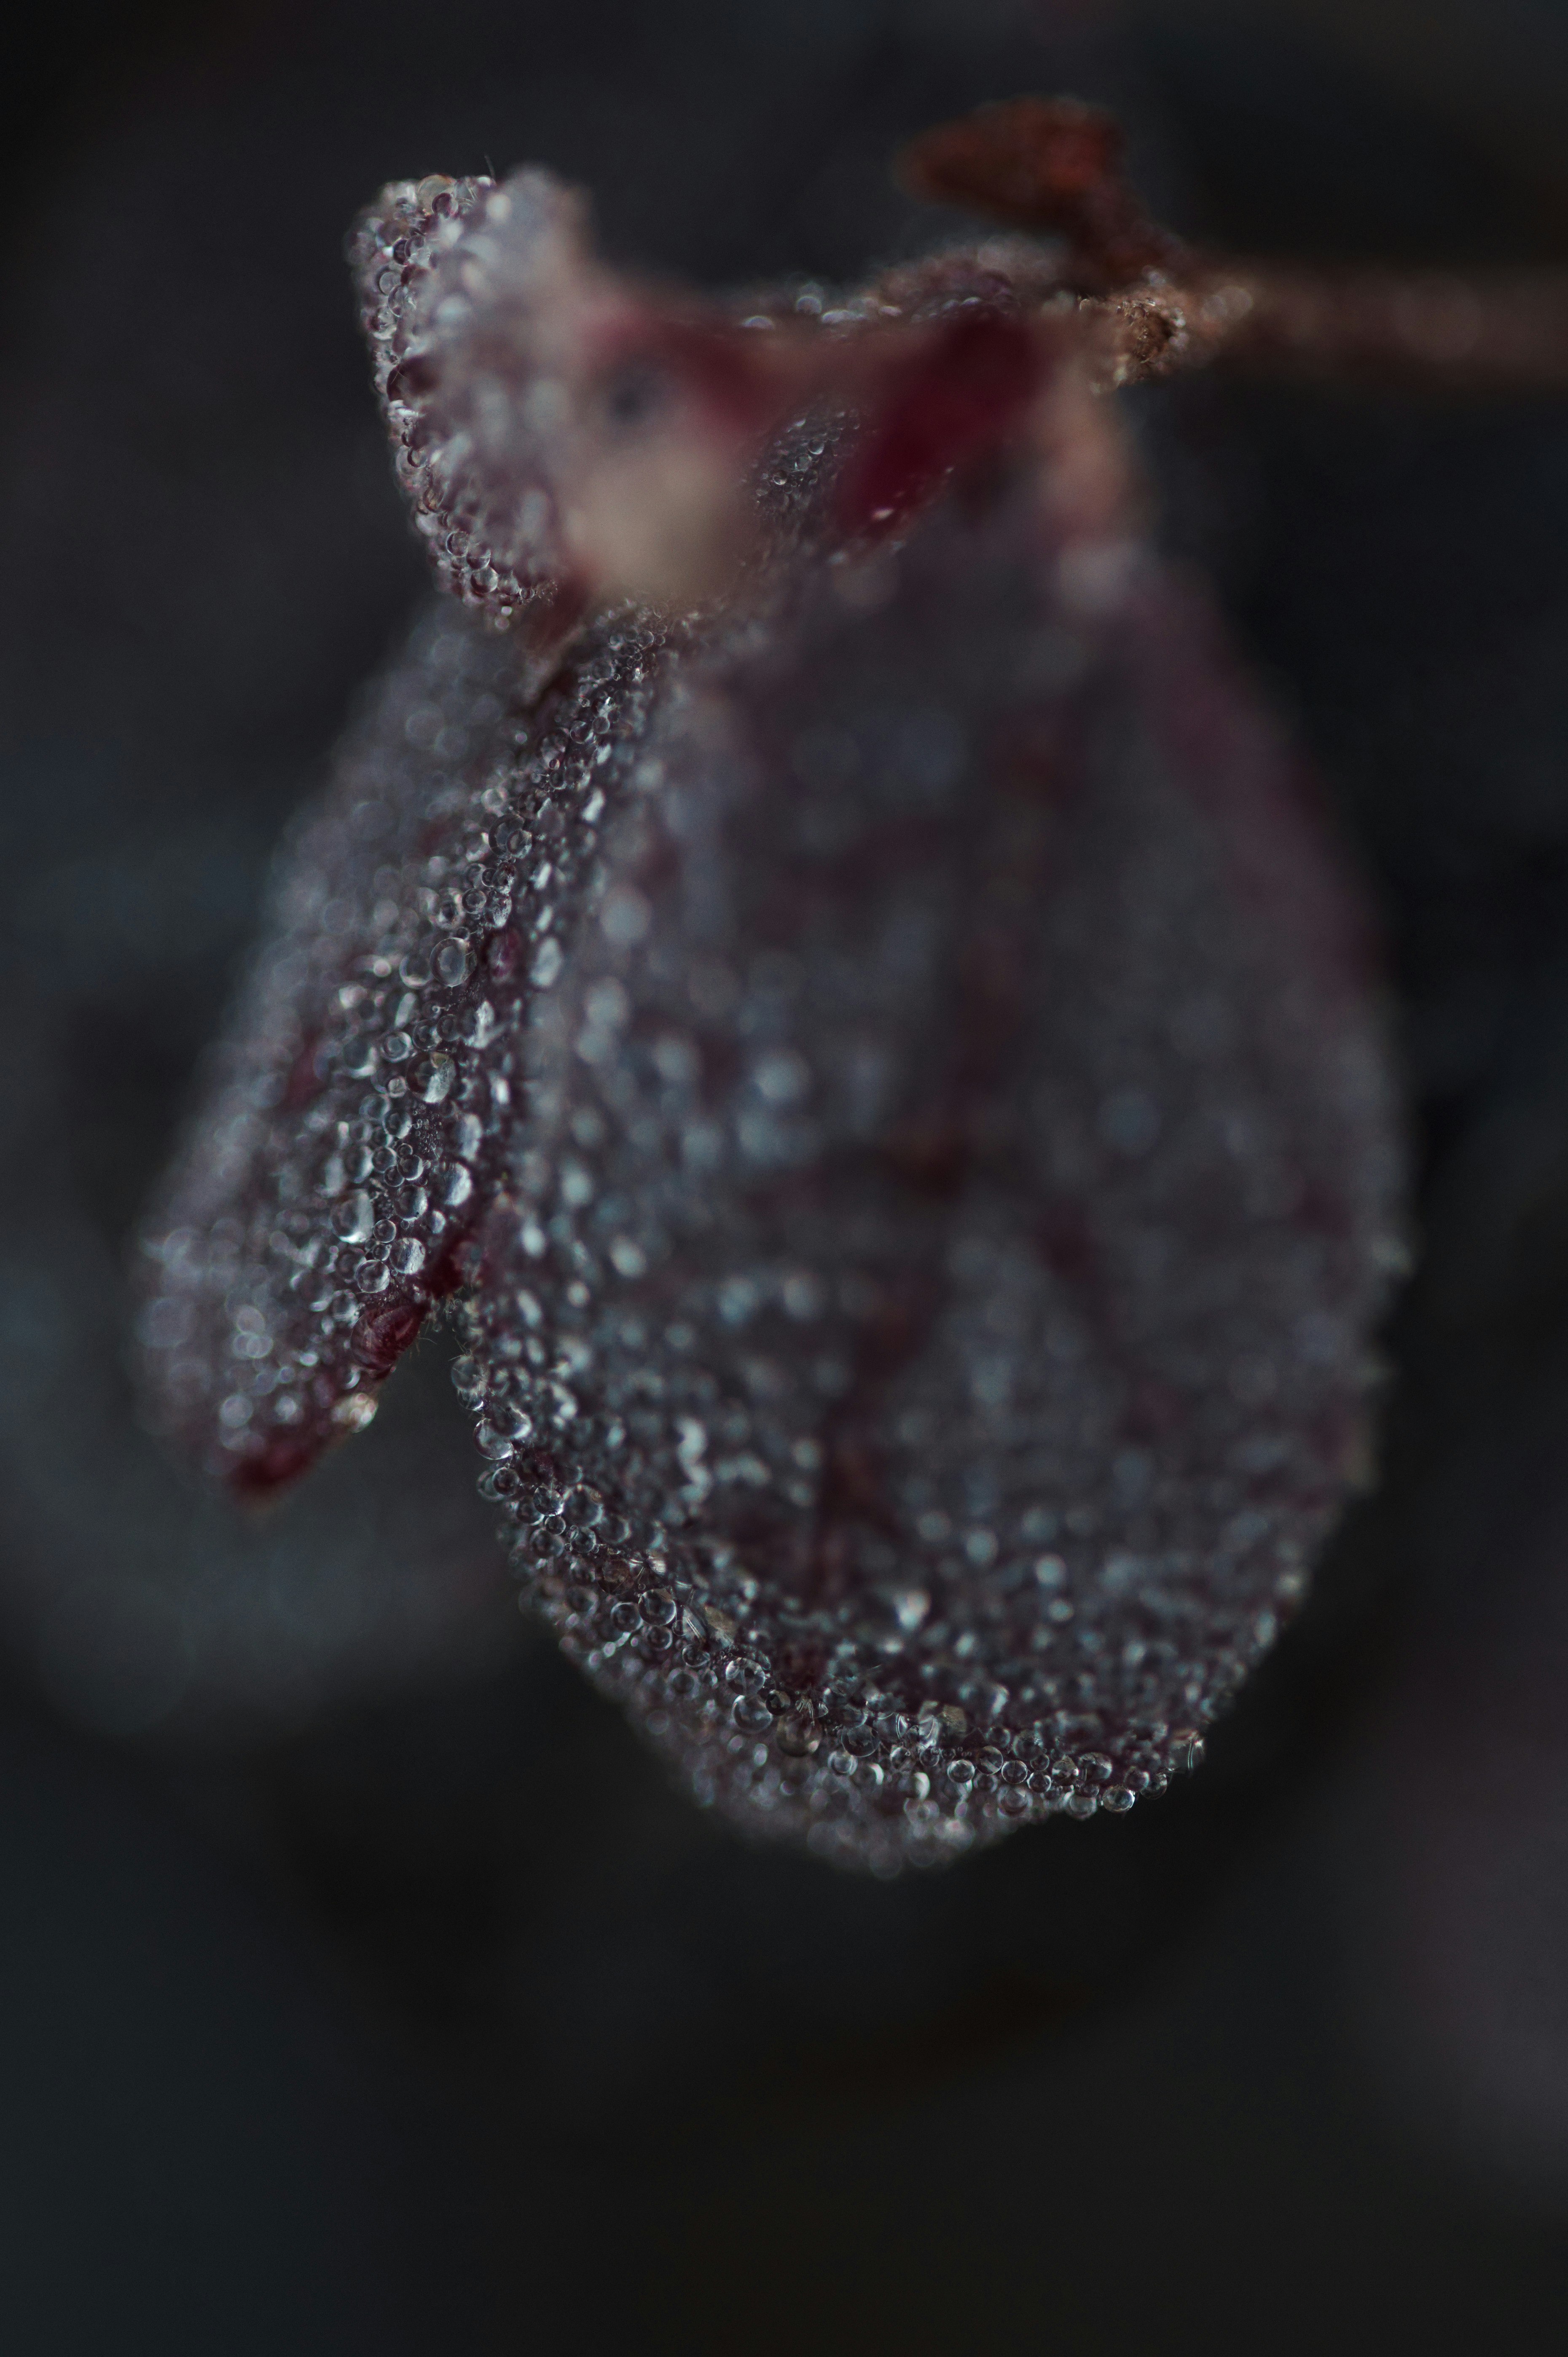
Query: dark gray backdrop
[(362, 1985)]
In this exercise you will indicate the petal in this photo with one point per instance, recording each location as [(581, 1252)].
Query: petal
[(924, 1342), (454, 277), (352, 1130)]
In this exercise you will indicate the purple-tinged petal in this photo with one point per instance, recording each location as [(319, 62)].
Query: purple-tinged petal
[(349, 1138), (885, 1057), (354, 1124), (468, 453), (924, 1338)]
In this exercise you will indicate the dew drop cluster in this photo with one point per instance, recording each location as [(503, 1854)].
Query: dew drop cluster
[(883, 1068), (923, 1338)]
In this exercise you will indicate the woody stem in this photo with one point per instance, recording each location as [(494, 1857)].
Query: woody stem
[(1415, 331)]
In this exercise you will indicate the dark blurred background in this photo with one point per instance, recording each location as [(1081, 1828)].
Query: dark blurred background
[(363, 1987)]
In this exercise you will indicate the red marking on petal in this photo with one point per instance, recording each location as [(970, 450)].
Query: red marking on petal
[(282, 1460), (304, 1083), (963, 395), (545, 626), (412, 378), (454, 1266), (382, 1336), (504, 954)]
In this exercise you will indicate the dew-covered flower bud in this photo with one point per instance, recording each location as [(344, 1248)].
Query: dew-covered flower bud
[(848, 992)]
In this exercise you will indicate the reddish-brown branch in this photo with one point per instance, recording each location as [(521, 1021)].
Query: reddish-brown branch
[(1420, 331), (1052, 166), (1154, 306)]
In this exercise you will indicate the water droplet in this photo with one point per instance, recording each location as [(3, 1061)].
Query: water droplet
[(354, 1219), (355, 1410)]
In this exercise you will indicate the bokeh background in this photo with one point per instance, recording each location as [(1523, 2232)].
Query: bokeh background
[(363, 1987)]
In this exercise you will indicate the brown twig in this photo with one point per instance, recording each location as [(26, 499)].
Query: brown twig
[(1049, 165), (1156, 306), (1422, 331)]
